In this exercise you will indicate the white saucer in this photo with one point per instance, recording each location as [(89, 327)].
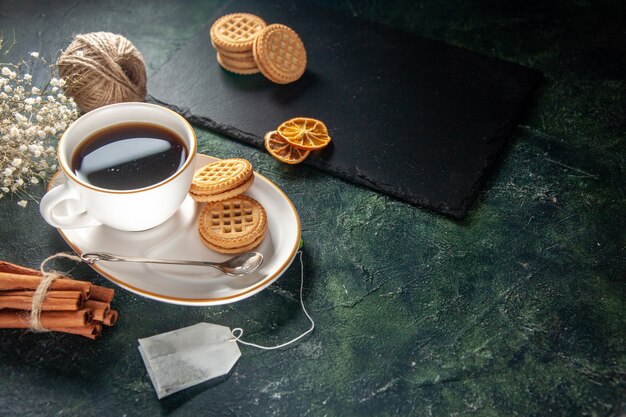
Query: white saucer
[(178, 238)]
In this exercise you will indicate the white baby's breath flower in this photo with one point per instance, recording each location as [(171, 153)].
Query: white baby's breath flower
[(20, 118), (30, 119)]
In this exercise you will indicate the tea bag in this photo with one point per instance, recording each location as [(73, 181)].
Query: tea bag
[(185, 357)]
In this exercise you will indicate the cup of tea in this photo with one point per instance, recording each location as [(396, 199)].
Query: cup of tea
[(128, 166)]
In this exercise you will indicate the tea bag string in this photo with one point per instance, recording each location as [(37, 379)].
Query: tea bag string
[(47, 278), (238, 332)]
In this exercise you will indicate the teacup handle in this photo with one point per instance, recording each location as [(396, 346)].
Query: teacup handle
[(56, 196)]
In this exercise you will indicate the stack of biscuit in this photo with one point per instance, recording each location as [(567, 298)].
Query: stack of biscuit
[(229, 222), (233, 37), (245, 44)]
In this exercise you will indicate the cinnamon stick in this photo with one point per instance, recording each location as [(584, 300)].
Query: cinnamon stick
[(110, 319), (11, 281), (104, 294), (51, 294), (51, 320), (22, 302), (100, 309), (17, 269), (90, 331)]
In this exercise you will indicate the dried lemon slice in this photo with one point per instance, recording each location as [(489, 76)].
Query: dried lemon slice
[(305, 133), (280, 149)]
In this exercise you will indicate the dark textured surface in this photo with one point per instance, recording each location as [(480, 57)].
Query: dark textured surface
[(519, 309), (412, 118)]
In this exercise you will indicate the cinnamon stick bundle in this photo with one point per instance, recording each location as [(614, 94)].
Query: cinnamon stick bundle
[(69, 306)]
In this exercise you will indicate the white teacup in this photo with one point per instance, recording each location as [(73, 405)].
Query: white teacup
[(128, 210)]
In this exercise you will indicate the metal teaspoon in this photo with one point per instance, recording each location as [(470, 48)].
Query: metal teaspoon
[(237, 266)]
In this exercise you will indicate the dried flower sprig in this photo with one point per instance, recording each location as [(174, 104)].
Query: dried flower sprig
[(31, 118)]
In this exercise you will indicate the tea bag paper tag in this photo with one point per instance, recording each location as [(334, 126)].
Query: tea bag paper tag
[(185, 357)]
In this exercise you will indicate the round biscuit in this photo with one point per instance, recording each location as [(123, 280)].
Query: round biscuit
[(241, 249), (232, 223), (221, 175), (237, 63), (236, 31), (280, 54), (237, 68), (239, 56), (211, 198)]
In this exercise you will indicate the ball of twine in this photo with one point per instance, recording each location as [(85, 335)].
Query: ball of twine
[(102, 68)]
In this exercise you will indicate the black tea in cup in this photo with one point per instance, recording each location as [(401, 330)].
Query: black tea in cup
[(129, 156)]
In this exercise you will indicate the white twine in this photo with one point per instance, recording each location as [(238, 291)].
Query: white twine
[(238, 332), (47, 278)]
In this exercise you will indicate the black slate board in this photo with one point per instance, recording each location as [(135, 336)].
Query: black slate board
[(410, 117)]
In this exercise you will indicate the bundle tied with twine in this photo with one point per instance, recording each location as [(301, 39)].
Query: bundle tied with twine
[(102, 68), (45, 300)]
